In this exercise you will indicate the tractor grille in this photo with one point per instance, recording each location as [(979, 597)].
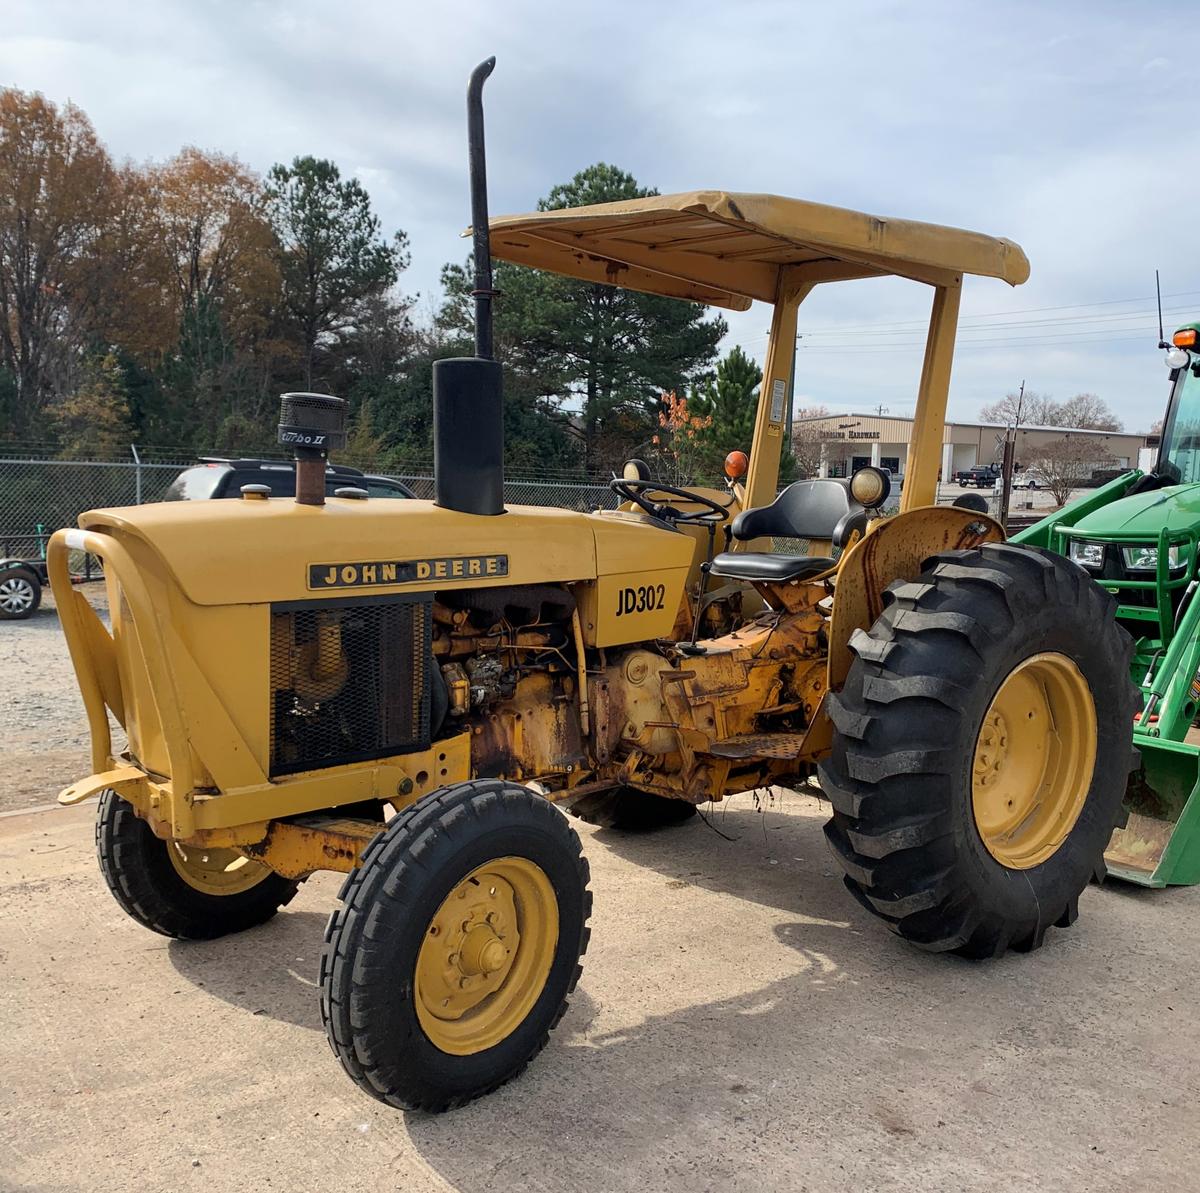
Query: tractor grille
[(349, 681)]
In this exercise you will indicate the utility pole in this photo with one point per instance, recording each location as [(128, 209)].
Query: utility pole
[(881, 410), (1006, 467)]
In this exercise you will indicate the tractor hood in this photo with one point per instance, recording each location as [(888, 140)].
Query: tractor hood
[(251, 552), (1177, 508)]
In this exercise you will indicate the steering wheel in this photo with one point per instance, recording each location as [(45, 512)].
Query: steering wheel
[(634, 490)]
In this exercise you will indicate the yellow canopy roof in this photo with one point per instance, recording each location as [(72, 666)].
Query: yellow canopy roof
[(726, 249)]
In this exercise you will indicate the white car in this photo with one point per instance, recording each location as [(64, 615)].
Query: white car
[(1029, 479)]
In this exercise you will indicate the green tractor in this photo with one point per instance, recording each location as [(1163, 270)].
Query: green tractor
[(1139, 537)]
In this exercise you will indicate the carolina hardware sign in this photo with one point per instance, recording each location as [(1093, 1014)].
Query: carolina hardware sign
[(373, 573)]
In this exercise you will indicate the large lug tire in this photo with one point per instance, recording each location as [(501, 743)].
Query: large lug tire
[(981, 750), (631, 811), (177, 890), (20, 593), (456, 945)]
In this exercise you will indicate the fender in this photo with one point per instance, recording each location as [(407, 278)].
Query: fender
[(895, 548)]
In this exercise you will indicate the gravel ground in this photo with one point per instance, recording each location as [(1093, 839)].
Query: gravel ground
[(43, 729)]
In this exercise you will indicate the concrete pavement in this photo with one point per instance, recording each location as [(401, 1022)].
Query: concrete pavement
[(741, 1025)]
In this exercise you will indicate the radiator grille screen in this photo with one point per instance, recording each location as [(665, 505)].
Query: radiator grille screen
[(349, 681)]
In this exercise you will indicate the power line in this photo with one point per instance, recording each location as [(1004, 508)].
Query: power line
[(1095, 334), (966, 320), (1074, 319), (968, 345)]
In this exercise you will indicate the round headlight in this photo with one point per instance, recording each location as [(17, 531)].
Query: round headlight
[(870, 486), (1176, 358)]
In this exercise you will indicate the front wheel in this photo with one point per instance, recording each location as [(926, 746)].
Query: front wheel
[(456, 945), (981, 750), (180, 890)]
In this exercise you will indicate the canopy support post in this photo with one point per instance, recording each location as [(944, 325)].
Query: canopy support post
[(763, 477), (929, 420)]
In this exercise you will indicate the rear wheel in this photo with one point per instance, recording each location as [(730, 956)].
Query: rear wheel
[(182, 890), (629, 810), (981, 750), (456, 945)]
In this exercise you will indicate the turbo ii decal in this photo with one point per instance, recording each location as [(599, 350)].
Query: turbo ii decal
[(376, 572)]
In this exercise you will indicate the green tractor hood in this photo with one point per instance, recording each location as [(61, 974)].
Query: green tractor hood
[(1144, 515)]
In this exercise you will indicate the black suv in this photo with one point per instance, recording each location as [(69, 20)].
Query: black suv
[(214, 477)]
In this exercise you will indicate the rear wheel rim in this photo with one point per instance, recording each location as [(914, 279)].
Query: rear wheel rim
[(1034, 759), (16, 594), (486, 956), (215, 871)]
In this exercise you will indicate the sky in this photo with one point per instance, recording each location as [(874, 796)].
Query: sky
[(1065, 127)]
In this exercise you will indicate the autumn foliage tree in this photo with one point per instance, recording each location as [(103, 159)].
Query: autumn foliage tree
[(169, 303), (56, 194), (678, 443)]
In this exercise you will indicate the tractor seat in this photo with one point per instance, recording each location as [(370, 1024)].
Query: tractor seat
[(812, 509), (755, 565)]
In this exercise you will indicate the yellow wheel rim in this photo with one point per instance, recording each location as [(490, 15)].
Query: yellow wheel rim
[(486, 956), (1034, 759), (215, 871)]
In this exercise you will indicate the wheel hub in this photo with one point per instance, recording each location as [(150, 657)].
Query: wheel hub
[(1033, 762), (486, 955), (991, 753), (16, 594), (215, 871)]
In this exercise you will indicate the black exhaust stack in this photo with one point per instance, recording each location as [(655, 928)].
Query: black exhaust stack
[(468, 404)]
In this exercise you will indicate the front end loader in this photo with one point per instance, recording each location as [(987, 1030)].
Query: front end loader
[(1137, 536), (412, 693)]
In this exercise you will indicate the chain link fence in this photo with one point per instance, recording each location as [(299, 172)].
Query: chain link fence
[(39, 496)]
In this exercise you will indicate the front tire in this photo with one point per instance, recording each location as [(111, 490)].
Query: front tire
[(981, 750), (456, 946), (177, 890)]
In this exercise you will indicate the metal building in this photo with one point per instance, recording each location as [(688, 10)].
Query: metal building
[(849, 441)]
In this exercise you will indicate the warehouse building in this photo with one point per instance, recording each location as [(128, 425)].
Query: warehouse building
[(849, 441)]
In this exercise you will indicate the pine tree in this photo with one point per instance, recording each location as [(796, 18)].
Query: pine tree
[(613, 351)]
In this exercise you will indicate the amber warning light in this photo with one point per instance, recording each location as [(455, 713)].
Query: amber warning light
[(1185, 338), (736, 465)]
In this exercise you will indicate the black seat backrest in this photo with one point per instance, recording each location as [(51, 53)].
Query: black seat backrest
[(812, 509)]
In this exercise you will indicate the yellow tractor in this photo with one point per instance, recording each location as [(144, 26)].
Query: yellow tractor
[(412, 692)]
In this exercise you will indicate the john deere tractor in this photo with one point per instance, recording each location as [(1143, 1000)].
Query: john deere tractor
[(1137, 536), (414, 692)]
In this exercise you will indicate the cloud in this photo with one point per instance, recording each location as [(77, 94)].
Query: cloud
[(1055, 125)]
